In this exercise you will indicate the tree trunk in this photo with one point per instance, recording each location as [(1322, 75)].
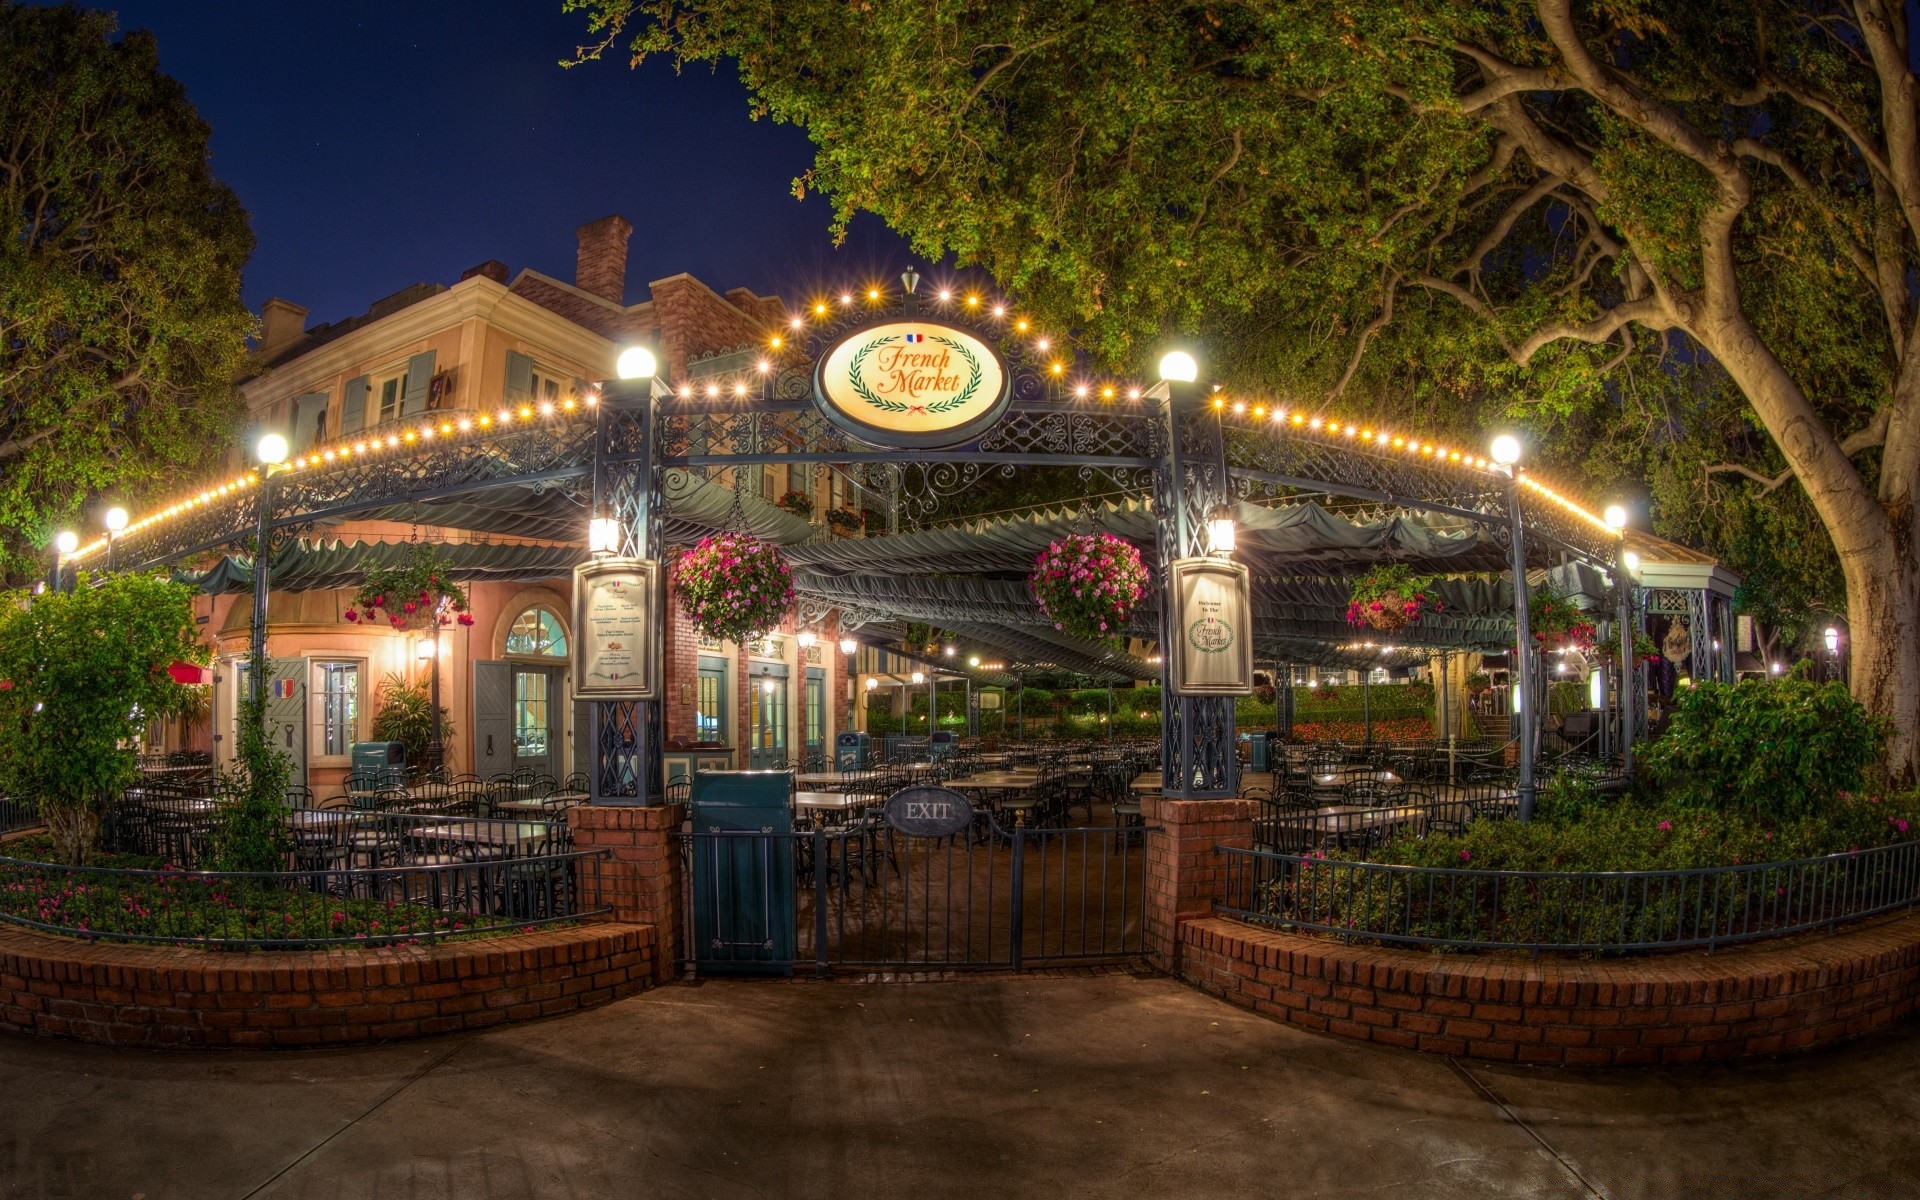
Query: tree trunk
[(75, 829), (1873, 535)]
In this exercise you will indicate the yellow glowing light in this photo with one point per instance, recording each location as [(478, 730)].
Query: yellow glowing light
[(506, 415), (873, 293), (739, 389), (1042, 345), (1021, 325), (485, 420), (1058, 368), (945, 295), (762, 366), (1133, 393), (846, 297), (685, 390), (1080, 391), (1298, 419), (820, 308), (1106, 393), (713, 389), (526, 412), (776, 341), (465, 424), (999, 310)]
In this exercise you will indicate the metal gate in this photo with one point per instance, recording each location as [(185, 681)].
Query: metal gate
[(870, 897)]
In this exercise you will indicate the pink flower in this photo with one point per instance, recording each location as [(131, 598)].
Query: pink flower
[(1666, 827), (1466, 856)]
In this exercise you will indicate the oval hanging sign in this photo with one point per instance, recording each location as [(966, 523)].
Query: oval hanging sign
[(929, 812), (912, 383)]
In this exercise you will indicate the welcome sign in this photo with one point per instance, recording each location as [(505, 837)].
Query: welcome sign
[(612, 626), (1212, 627), (912, 383)]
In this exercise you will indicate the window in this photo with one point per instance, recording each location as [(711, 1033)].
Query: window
[(710, 721), (816, 716), (537, 633), (769, 714), (549, 386), (336, 687), (389, 394), (529, 714)]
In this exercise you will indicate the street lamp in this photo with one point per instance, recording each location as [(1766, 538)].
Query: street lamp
[(636, 362), (115, 521), (1616, 516), (1832, 637), (848, 646), (919, 676), (1177, 366), (271, 449), (1506, 450)]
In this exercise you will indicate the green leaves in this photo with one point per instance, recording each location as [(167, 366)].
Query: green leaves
[(88, 670), (121, 326), (1778, 750)]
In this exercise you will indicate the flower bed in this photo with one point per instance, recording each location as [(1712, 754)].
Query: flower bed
[(1386, 729)]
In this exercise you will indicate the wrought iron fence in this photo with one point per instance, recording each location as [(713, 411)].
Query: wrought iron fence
[(867, 897), (17, 814), (1598, 911), (307, 908)]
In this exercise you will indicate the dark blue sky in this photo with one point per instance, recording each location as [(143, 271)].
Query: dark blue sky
[(378, 145)]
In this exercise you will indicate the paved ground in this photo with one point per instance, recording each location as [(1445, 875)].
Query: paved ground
[(1084, 1086)]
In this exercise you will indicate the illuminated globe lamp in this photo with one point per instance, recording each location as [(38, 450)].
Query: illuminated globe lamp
[(271, 449), (848, 646), (1177, 366), (67, 542), (806, 638), (1615, 517), (1506, 450), (636, 362), (115, 520)]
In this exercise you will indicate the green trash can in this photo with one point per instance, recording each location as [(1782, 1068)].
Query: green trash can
[(743, 849), (1262, 760)]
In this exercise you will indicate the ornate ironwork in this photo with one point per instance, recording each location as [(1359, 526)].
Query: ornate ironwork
[(1196, 738)]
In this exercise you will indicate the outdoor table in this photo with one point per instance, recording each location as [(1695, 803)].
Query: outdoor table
[(820, 778), (1149, 782), (1353, 775), (482, 833), (822, 804), (996, 781)]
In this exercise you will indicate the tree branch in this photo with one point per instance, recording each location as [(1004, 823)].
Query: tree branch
[(1873, 433), (1389, 287)]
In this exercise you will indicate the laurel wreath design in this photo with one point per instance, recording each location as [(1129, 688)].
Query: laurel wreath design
[(938, 407), (1209, 643)]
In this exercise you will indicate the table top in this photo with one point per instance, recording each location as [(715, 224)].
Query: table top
[(1150, 782), (996, 781), (834, 801), (1354, 774)]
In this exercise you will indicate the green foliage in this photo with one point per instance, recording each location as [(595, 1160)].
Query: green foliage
[(1774, 749), (121, 326), (88, 670), (405, 715), (252, 835)]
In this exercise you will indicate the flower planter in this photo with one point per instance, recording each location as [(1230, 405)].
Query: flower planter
[(1088, 584)]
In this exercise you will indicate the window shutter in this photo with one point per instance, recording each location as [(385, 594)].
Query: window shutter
[(579, 388), (519, 378), (353, 409), (413, 401)]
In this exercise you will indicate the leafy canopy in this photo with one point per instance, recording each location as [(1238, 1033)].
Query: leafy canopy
[(121, 325), (88, 672)]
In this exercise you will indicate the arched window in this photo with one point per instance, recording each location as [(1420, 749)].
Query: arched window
[(537, 633)]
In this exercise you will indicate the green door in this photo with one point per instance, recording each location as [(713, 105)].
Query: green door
[(815, 722), (767, 723)]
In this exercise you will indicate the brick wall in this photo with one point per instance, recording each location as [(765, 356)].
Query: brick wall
[(693, 321), (1675, 1008), (600, 266), (642, 883), (1184, 875), (128, 995)]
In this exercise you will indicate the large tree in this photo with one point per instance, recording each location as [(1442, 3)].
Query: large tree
[(1516, 205), (121, 325)]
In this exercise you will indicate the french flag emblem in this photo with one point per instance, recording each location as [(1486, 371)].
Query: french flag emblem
[(916, 337), (285, 689)]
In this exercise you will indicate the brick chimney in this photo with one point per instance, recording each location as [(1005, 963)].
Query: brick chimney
[(281, 323), (602, 265)]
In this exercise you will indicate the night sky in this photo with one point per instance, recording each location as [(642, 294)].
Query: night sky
[(378, 145)]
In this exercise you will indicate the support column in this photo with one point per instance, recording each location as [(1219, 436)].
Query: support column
[(641, 882), (626, 487), (1197, 756), (1184, 874), (1521, 673), (262, 553)]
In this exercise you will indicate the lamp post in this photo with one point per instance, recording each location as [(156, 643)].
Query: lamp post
[(1616, 517), (116, 521), (1506, 452), (271, 451), (63, 545)]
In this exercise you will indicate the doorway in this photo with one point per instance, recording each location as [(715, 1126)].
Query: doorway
[(767, 723), (518, 718)]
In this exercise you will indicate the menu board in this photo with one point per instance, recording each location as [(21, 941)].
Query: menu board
[(1212, 650), (614, 627)]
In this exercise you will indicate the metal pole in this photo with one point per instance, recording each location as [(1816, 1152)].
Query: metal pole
[(1109, 712), (262, 551), (1629, 667), (1366, 702), (436, 749), (1020, 706), (1522, 644), (53, 574)]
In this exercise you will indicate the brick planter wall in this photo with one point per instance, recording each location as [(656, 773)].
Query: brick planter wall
[(134, 995), (1677, 1008)]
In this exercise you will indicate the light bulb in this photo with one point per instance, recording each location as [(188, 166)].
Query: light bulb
[(67, 542), (116, 519), (1506, 449), (848, 645), (1616, 517), (271, 449)]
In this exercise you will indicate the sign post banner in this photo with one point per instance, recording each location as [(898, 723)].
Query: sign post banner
[(915, 383), (613, 619), (1212, 651)]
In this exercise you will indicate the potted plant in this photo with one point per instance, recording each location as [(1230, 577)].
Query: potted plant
[(734, 587), (1088, 584), (843, 521), (405, 715), (413, 594), (798, 503), (1389, 597), (1556, 623)]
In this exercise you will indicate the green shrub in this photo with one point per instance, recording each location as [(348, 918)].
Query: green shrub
[(252, 835), (1776, 749), (406, 716)]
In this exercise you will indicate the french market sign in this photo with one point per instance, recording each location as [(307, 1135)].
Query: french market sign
[(915, 384)]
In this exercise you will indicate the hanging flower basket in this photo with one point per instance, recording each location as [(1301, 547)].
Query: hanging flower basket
[(1390, 597), (734, 587), (1088, 584), (1557, 624), (415, 594), (1644, 650), (843, 521), (798, 503)]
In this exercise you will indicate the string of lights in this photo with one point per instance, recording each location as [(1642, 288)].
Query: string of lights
[(1046, 349)]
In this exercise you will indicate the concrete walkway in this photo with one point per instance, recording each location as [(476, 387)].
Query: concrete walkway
[(1046, 1087)]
